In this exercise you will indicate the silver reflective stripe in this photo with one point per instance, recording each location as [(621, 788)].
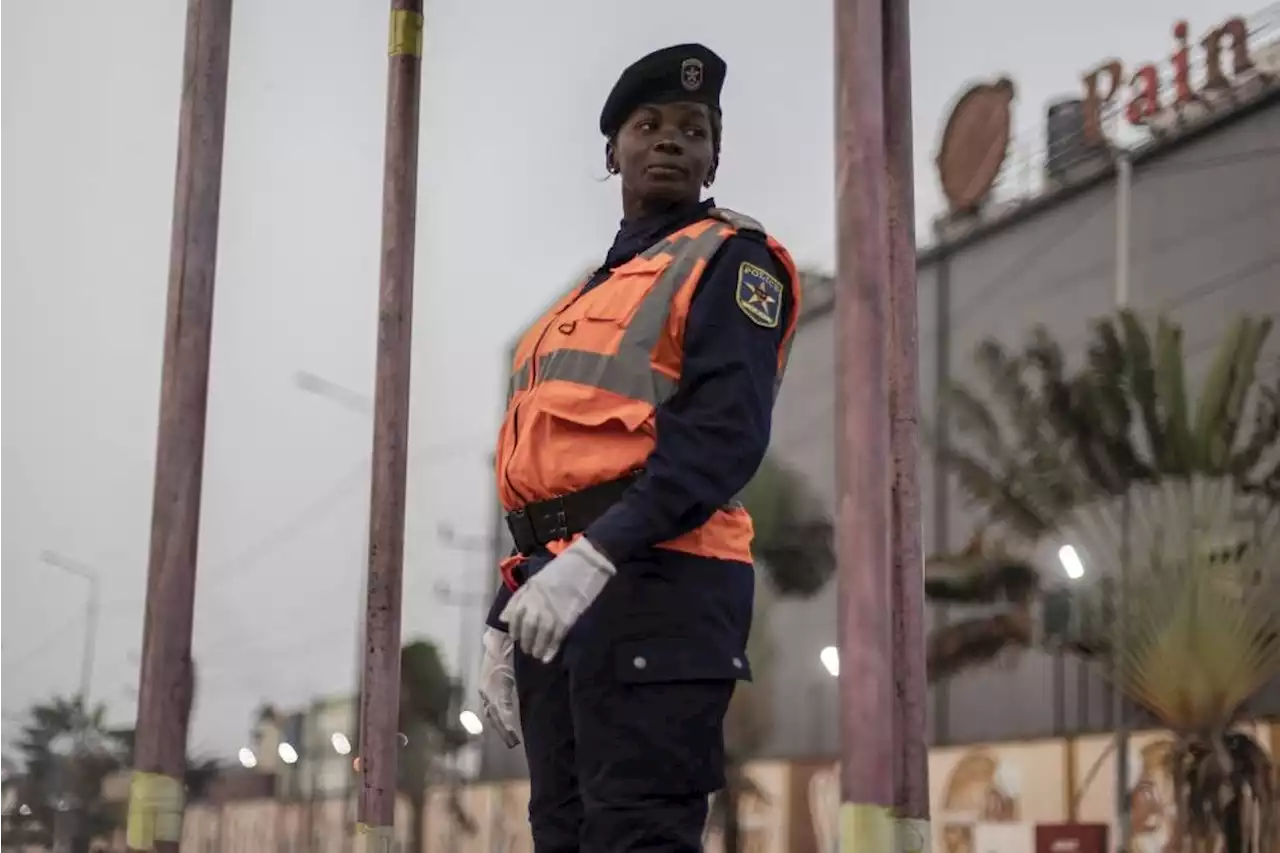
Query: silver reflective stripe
[(607, 372), (630, 372), (650, 320), (782, 364), (518, 380), (738, 220)]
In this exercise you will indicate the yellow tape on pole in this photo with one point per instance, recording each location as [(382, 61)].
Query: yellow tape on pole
[(866, 828), (155, 810), (912, 835), (376, 839), (406, 33)]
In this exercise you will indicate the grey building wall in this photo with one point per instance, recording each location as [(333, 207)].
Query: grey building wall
[(1206, 215)]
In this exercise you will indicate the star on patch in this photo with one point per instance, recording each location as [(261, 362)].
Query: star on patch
[(759, 296)]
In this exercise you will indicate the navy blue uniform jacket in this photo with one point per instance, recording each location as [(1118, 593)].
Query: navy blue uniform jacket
[(711, 438)]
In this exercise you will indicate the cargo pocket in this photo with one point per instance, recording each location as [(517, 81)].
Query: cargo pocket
[(674, 660), (656, 729)]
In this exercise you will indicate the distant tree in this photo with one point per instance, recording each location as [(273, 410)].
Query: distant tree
[(65, 754), (793, 542), (427, 703)]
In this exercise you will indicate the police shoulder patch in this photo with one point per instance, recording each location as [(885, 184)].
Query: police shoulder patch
[(759, 295)]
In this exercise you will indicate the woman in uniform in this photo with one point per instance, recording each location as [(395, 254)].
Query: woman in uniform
[(639, 406)]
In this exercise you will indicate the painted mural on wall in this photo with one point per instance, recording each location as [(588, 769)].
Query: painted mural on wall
[(1150, 788), (984, 799), (1153, 809), (762, 811), (823, 789), (982, 789)]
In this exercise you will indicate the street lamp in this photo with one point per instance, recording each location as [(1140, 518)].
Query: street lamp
[(346, 398), (80, 570)]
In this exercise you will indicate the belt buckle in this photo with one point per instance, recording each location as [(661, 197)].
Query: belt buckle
[(561, 530), (551, 523), (522, 531)]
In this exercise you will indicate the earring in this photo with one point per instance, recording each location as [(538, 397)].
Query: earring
[(711, 179)]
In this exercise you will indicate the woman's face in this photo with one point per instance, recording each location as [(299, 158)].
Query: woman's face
[(664, 153)]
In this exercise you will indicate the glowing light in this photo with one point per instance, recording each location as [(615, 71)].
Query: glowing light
[(1071, 563), (830, 657), (471, 723)]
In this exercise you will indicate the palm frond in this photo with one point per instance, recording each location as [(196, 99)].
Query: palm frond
[(1172, 396), (794, 533), (972, 642), (1195, 563), (1264, 436), (1223, 395), (1140, 377), (985, 575)]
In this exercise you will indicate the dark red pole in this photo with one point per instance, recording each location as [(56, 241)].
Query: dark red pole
[(165, 684), (380, 699), (911, 748), (884, 782), (862, 434)]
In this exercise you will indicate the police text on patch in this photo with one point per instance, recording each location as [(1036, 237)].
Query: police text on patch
[(759, 295)]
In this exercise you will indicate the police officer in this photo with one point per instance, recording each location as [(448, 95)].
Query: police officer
[(639, 406)]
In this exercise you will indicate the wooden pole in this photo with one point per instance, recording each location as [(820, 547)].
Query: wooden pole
[(380, 698), (862, 436), (884, 767), (166, 680), (910, 694)]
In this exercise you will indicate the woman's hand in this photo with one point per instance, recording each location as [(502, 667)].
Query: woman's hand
[(542, 611)]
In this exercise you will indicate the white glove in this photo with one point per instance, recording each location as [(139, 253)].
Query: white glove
[(542, 611), (498, 685)]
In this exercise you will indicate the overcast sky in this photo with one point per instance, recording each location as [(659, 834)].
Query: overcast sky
[(512, 204)]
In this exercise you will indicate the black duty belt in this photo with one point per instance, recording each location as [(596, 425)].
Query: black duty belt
[(538, 523)]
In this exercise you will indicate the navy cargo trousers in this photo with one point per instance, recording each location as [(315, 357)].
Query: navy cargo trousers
[(624, 729)]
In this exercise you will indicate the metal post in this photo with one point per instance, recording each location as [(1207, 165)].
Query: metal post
[(910, 694), (92, 606), (379, 701), (941, 471), (862, 449), (351, 791), (166, 680), (1124, 186)]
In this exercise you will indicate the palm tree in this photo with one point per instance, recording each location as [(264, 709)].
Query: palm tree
[(66, 754), (1115, 460), (427, 700), (793, 542), (794, 550)]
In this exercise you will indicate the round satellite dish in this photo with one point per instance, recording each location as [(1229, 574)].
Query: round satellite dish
[(974, 144)]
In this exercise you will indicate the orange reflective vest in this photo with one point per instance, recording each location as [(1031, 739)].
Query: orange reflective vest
[(588, 376)]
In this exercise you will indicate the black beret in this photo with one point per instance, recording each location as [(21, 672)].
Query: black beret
[(685, 72)]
